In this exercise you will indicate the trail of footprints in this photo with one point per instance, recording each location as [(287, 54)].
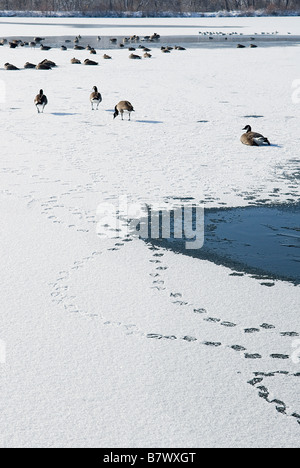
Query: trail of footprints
[(60, 295), (177, 299)]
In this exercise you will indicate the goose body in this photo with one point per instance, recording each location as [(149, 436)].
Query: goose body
[(29, 65), (43, 47), (43, 66), (90, 62), (75, 61), (40, 101), (49, 63), (134, 57), (107, 57), (95, 98), (253, 139), (123, 107), (9, 66)]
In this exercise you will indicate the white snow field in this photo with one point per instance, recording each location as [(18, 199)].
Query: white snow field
[(112, 342)]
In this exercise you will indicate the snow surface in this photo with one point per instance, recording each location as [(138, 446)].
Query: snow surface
[(90, 323)]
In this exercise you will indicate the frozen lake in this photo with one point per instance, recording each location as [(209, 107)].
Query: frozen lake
[(115, 342)]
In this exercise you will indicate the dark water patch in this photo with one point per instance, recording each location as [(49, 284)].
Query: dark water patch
[(188, 41), (260, 240)]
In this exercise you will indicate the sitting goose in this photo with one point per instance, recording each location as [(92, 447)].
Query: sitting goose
[(40, 101), (90, 62), (9, 66), (43, 47), (134, 57), (123, 106), (252, 138), (43, 66), (107, 57), (49, 63), (29, 65), (95, 98), (75, 61)]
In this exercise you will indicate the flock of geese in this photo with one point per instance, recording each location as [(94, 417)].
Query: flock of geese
[(249, 138), (121, 108), (48, 65)]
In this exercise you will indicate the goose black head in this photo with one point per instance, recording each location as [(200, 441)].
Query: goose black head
[(41, 92), (95, 89), (247, 128), (116, 112)]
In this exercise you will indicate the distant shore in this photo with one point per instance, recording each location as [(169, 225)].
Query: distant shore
[(141, 14)]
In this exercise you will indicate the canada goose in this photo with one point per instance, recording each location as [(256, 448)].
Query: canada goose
[(253, 139), (49, 63), (78, 47), (29, 65), (3, 41), (121, 45), (179, 48), (9, 66), (240, 46), (165, 51), (113, 40), (123, 106), (93, 52), (39, 39), (135, 57), (146, 49), (131, 49), (253, 46), (95, 98), (90, 62), (75, 61), (155, 37), (98, 38), (147, 55), (40, 101), (63, 47), (13, 45), (43, 66), (43, 47), (107, 57), (88, 47), (32, 44)]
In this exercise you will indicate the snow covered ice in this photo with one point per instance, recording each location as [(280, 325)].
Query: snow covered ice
[(115, 342)]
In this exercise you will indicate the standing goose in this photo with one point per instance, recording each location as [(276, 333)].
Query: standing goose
[(252, 138), (41, 101), (95, 98), (122, 107)]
